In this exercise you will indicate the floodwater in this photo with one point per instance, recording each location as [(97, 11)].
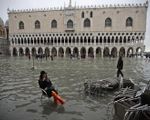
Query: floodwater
[(20, 96)]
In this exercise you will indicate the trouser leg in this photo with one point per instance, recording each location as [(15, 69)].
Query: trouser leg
[(119, 72)]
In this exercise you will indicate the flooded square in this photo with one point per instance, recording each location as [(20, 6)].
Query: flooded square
[(20, 95)]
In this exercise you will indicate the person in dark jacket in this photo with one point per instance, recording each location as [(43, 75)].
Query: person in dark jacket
[(120, 67), (46, 84)]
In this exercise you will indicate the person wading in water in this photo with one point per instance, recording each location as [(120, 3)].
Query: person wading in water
[(120, 67)]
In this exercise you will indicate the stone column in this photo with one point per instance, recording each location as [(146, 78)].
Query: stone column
[(79, 54), (17, 52), (102, 51), (64, 53), (118, 52), (102, 40), (57, 42), (110, 40), (126, 50), (33, 41), (86, 54), (94, 40), (134, 50), (68, 41), (75, 41), (79, 41), (94, 53), (106, 40), (11, 51), (36, 51)]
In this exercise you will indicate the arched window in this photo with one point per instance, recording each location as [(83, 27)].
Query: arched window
[(91, 14), (70, 24), (129, 22), (108, 22), (87, 23), (82, 15), (54, 24), (21, 25), (37, 24)]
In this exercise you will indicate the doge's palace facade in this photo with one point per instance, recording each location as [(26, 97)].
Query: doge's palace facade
[(89, 31)]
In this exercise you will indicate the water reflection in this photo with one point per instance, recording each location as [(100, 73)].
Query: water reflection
[(20, 94), (50, 107)]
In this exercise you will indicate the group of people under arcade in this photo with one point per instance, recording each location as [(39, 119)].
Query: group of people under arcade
[(41, 56)]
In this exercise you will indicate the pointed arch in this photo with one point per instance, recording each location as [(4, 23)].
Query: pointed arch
[(55, 40), (40, 51), (54, 52), (33, 50), (14, 51), (129, 22), (18, 40), (47, 51), (61, 52), (21, 53), (83, 52), (108, 22), (85, 40), (21, 25), (122, 52), (77, 40), (66, 40), (45, 41), (54, 24), (52, 40), (37, 24), (98, 52), (62, 40), (91, 52), (70, 24), (75, 52), (114, 52), (38, 40), (87, 23), (73, 40), (106, 52), (34, 40), (129, 52), (25, 40), (68, 52), (138, 51), (27, 51)]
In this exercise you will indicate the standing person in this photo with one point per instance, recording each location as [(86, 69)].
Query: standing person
[(120, 67), (47, 85), (51, 57)]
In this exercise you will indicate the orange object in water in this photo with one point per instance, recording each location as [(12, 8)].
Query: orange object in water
[(57, 98)]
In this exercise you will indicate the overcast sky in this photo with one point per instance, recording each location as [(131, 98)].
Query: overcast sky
[(25, 4)]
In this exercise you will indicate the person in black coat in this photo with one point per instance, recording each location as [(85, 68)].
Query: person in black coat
[(46, 84), (120, 67)]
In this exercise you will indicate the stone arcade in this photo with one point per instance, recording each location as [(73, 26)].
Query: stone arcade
[(85, 31)]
